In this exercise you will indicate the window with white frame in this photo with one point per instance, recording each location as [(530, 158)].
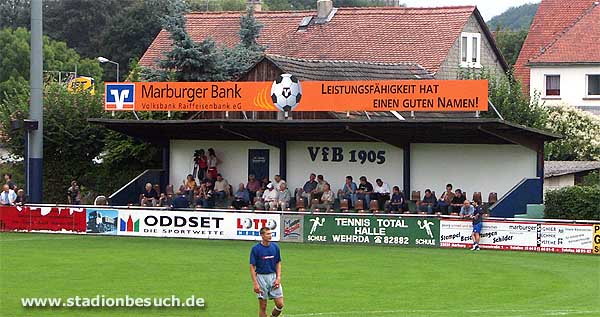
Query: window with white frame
[(552, 85), (593, 85), (470, 49)]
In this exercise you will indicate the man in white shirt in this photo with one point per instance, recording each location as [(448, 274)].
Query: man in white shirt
[(8, 196), (381, 192), (269, 198)]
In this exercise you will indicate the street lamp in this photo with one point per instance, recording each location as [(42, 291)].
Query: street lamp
[(106, 60)]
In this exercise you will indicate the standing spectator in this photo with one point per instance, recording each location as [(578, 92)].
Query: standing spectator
[(8, 181), (241, 197), (396, 201), (149, 197), (327, 199), (212, 163), (365, 189), (428, 202), (283, 197), (457, 202), (349, 191), (307, 189), (253, 186), (200, 164), (221, 188), (21, 199), (381, 192), (466, 211), (8, 196), (445, 199), (74, 194)]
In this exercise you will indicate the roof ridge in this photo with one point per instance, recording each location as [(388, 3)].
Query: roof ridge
[(566, 30), (341, 61), (341, 10)]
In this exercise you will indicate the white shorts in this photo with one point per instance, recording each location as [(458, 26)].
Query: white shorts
[(267, 291)]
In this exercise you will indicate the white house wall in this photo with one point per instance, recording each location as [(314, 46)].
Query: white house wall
[(573, 84), (233, 156), (300, 162), (558, 182), (471, 167)]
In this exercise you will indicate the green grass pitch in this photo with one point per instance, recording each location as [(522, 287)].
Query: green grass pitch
[(318, 280)]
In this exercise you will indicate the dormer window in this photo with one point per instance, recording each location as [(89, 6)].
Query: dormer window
[(470, 50)]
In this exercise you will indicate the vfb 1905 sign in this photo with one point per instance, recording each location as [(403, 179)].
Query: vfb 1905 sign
[(337, 154)]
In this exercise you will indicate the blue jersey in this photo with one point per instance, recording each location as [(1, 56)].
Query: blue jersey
[(477, 215), (265, 258)]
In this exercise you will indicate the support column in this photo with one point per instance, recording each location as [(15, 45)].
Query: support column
[(406, 170), (35, 159), (166, 162), (283, 159), (540, 171)]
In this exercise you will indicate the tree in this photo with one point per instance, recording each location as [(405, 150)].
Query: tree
[(14, 14), (14, 65), (510, 43), (581, 132)]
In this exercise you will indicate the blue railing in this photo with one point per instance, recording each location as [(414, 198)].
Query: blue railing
[(527, 191), (130, 193)]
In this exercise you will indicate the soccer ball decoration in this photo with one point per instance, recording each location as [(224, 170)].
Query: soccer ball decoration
[(271, 224), (286, 92), (247, 223)]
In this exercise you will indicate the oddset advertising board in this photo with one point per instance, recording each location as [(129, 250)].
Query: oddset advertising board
[(288, 93), (519, 236), (196, 224), (372, 230)]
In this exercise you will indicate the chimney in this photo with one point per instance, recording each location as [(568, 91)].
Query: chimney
[(324, 8), (255, 4)]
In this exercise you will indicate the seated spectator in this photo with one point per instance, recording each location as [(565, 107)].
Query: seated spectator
[(327, 199), (8, 196), (427, 204), (364, 191), (457, 202), (381, 193), (269, 198), (283, 197), (8, 181), (149, 197), (203, 197), (180, 201), (253, 186), (74, 194), (308, 188), (466, 211), (101, 201), (349, 191), (278, 181), (221, 189), (396, 201), (317, 192), (189, 186), (445, 199), (241, 198), (21, 199), (165, 200), (263, 186)]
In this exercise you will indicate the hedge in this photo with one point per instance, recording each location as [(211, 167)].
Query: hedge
[(574, 203)]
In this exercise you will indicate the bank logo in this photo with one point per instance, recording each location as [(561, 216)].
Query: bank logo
[(426, 225), (317, 222), (119, 96), (129, 225), (291, 228)]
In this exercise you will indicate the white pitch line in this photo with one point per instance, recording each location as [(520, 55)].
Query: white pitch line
[(425, 311)]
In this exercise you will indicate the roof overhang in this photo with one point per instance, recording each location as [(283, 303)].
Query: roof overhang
[(276, 132)]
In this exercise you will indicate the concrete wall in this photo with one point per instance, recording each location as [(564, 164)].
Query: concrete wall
[(450, 68), (557, 182), (470, 167), (573, 84), (233, 156), (300, 163)]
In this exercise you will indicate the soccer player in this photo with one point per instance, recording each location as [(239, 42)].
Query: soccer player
[(265, 270), (477, 225)]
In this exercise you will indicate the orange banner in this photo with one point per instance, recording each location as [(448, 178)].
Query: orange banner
[(289, 94)]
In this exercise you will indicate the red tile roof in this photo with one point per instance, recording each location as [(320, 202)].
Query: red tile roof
[(551, 19), (578, 44), (389, 35)]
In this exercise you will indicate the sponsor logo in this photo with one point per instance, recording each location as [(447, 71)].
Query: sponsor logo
[(596, 239), (426, 225), (120, 96), (317, 222), (252, 226), (129, 225), (291, 228)]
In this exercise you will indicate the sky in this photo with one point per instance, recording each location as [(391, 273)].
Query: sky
[(488, 8)]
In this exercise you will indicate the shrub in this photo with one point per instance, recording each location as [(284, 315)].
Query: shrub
[(575, 203)]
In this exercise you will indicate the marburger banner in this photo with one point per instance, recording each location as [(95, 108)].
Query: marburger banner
[(196, 224), (287, 93), (372, 230), (519, 236), (42, 219)]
